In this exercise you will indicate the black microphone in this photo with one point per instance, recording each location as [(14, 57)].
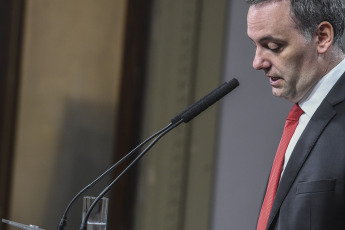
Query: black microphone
[(205, 102), (185, 116)]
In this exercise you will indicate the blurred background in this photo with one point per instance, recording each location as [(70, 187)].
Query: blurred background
[(82, 82)]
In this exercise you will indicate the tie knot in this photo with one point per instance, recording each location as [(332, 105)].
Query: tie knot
[(295, 113)]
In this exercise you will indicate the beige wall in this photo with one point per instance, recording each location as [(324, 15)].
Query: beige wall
[(70, 73), (68, 93)]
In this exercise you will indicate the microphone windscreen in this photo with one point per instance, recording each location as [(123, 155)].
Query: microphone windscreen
[(201, 105)]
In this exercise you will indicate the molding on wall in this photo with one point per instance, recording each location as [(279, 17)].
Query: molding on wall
[(185, 63), (10, 52)]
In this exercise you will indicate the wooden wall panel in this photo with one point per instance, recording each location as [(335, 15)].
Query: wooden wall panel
[(11, 13)]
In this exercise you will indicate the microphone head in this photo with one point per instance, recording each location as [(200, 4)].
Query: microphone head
[(201, 105)]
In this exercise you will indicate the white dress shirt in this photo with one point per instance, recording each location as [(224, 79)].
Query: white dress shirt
[(311, 102)]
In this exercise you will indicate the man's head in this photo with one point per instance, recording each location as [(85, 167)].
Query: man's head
[(297, 42)]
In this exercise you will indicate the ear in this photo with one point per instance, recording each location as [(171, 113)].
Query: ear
[(324, 36)]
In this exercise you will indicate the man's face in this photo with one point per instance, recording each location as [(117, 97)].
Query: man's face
[(287, 58)]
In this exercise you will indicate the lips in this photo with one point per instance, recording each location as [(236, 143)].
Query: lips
[(274, 81)]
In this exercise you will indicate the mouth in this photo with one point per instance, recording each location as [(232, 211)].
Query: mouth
[(274, 81), (275, 78)]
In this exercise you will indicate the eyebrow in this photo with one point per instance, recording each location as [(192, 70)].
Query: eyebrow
[(271, 38)]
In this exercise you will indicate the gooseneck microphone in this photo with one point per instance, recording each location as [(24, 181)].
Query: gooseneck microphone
[(168, 129), (205, 102), (185, 116)]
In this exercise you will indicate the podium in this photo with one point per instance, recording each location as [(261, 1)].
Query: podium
[(21, 226)]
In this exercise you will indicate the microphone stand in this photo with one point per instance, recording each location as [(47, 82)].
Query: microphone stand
[(165, 131), (63, 221), (185, 116)]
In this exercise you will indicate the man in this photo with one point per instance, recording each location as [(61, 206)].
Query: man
[(298, 46)]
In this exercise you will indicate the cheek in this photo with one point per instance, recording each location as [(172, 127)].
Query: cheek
[(289, 69), (297, 64), (304, 74), (305, 58)]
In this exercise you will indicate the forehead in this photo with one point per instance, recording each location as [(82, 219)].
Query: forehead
[(271, 19)]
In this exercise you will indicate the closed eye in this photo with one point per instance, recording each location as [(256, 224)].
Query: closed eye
[(276, 50), (274, 47)]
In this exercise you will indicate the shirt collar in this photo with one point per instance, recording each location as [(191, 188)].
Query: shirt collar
[(312, 101)]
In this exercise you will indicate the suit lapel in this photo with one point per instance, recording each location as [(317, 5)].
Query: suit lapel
[(305, 144)]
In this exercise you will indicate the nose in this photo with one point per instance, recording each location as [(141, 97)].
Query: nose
[(260, 61)]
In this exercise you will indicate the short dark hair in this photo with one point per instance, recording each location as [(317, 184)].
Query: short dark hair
[(308, 14)]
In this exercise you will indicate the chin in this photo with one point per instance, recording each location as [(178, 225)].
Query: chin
[(277, 93), (280, 92)]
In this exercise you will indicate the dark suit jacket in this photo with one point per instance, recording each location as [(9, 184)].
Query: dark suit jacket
[(311, 193)]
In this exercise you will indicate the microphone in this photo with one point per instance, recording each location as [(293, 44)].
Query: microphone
[(185, 116), (208, 100)]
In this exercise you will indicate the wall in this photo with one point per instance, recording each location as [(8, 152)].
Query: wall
[(70, 70)]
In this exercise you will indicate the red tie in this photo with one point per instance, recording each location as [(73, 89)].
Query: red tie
[(289, 129)]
